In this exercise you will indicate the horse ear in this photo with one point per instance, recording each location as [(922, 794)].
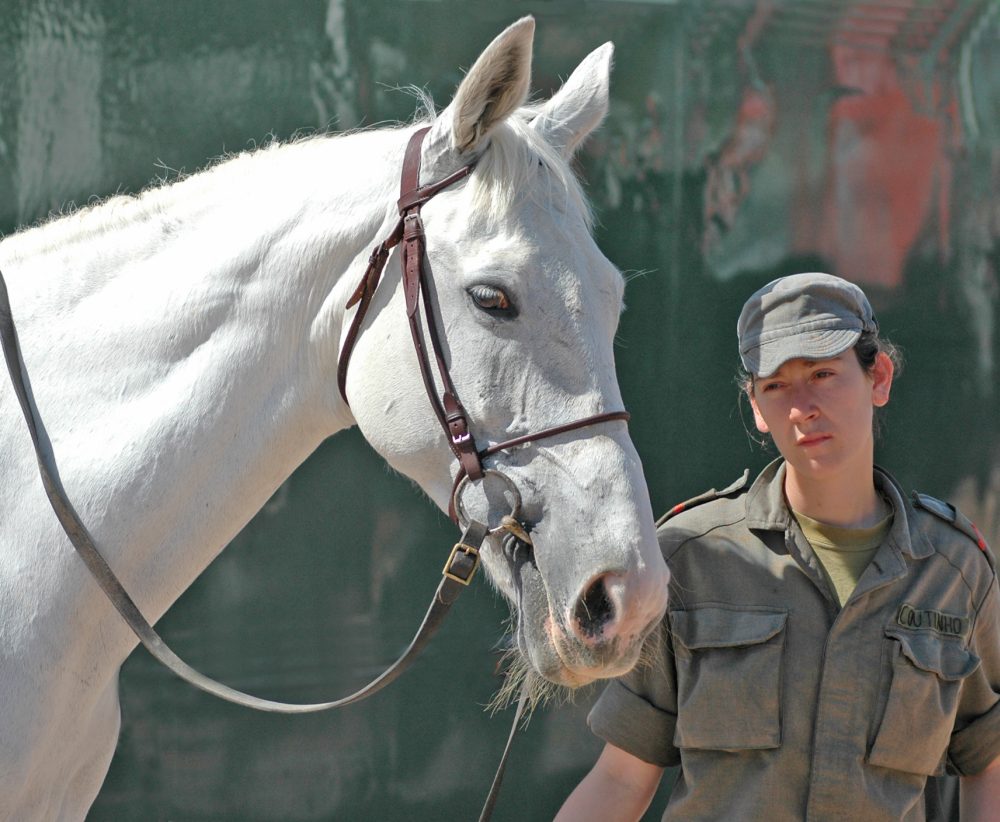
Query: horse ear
[(580, 105), (495, 87)]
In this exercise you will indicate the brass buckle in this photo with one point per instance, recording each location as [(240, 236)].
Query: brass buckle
[(465, 549)]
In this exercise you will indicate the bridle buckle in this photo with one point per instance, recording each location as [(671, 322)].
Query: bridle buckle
[(462, 569)]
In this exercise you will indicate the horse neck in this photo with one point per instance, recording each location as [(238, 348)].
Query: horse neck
[(182, 349)]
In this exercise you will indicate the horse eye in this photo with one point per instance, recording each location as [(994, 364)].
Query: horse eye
[(490, 298)]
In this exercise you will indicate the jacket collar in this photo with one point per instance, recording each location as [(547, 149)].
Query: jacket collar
[(767, 509)]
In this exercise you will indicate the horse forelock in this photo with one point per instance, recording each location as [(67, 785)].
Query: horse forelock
[(519, 162)]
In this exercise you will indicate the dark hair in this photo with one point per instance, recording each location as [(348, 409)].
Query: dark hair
[(870, 345)]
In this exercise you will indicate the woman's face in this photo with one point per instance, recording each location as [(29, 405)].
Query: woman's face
[(819, 412)]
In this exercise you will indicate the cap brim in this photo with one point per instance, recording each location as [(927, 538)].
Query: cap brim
[(765, 359)]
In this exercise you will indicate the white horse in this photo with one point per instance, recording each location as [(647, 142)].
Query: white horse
[(183, 345)]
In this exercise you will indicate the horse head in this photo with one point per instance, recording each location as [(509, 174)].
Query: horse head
[(527, 307)]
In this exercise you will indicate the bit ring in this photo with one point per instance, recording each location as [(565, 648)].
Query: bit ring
[(511, 487)]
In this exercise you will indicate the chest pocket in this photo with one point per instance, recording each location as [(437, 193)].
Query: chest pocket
[(919, 690), (728, 677)]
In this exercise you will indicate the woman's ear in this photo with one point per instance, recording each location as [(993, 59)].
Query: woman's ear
[(758, 418), (882, 379)]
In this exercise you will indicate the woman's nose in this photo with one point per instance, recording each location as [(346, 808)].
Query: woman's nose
[(802, 407)]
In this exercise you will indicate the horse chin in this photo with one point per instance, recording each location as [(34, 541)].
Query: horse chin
[(545, 660), (570, 669)]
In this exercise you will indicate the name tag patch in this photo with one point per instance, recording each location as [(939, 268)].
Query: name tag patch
[(929, 620)]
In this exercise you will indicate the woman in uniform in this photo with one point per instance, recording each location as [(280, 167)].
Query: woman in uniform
[(830, 643)]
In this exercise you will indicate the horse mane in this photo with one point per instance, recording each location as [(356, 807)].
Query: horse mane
[(507, 170)]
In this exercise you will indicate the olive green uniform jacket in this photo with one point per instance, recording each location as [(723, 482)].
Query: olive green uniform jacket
[(780, 705)]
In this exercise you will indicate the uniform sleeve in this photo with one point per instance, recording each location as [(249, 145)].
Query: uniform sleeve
[(638, 712), (975, 742)]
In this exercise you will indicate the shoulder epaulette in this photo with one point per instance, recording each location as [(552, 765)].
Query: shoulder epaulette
[(950, 514), (708, 496)]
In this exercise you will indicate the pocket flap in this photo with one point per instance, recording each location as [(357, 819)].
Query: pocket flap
[(939, 655), (713, 627)]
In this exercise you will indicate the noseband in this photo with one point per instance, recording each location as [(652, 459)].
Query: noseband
[(409, 230)]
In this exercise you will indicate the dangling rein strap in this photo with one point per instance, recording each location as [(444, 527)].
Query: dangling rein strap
[(461, 565), (458, 572)]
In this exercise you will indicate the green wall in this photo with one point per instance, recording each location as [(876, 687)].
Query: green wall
[(745, 140)]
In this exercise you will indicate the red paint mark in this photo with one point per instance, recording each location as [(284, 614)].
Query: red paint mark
[(981, 541), (883, 168), (887, 170)]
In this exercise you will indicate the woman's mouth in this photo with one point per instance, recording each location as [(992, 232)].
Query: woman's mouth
[(813, 439)]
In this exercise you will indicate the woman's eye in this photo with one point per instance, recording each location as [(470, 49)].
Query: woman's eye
[(490, 298)]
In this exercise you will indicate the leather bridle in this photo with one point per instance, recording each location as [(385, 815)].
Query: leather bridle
[(409, 231), (464, 557)]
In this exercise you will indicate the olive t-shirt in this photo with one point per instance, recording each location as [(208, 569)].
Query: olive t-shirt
[(843, 552)]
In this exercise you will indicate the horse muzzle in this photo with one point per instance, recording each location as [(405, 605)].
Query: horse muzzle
[(599, 634), (570, 635)]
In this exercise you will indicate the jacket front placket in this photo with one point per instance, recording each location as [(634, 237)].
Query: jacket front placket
[(849, 675)]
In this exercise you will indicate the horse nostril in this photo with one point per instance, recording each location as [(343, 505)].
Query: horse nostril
[(594, 609)]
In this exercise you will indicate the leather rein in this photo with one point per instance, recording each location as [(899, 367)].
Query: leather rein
[(464, 557)]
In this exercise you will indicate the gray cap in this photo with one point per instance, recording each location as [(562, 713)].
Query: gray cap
[(814, 316)]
